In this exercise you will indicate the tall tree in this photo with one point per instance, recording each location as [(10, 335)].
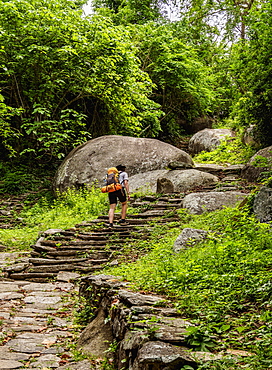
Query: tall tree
[(228, 16), (183, 82), (134, 11), (71, 77), (252, 68)]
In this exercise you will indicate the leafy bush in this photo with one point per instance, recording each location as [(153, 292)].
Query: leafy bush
[(20, 179), (230, 151)]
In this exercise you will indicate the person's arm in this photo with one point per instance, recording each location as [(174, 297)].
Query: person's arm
[(127, 188)]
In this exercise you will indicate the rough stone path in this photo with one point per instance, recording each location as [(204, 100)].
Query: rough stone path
[(37, 330), (38, 291), (90, 246)]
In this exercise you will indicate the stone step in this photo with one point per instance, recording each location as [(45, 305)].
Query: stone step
[(65, 267), (73, 253), (50, 261), (155, 205), (91, 247), (40, 277), (133, 223)]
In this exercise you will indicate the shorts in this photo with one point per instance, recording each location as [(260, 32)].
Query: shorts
[(119, 194)]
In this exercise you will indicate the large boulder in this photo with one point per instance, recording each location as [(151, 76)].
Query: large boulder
[(198, 203), (208, 139), (89, 162), (146, 182), (260, 162), (183, 180), (262, 206)]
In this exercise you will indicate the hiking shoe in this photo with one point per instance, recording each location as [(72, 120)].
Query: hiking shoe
[(123, 222), (110, 226)]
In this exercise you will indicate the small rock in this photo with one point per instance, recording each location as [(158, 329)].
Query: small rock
[(188, 238), (67, 276), (262, 206)]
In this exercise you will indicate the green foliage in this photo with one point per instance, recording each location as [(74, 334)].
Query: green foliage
[(7, 132), (69, 209), (198, 339), (20, 179), (251, 66), (231, 151), (222, 283), (70, 78), (183, 83), (133, 11)]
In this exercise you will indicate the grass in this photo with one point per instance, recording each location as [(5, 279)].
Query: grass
[(64, 212), (223, 284)]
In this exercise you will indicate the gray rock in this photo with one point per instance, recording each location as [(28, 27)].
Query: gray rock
[(8, 296), (166, 329), (5, 354), (189, 237), (17, 267), (67, 276), (52, 232), (79, 365), (96, 337), (208, 140), (262, 206), (210, 168), (250, 136), (10, 364), (198, 203), (184, 180), (8, 287), (260, 162), (179, 166), (146, 182), (89, 162), (42, 301), (159, 355), (46, 361), (24, 346), (138, 299)]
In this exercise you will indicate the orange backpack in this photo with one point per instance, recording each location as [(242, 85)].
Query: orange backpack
[(112, 181)]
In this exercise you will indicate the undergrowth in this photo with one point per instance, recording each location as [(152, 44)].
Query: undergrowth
[(231, 151), (18, 179), (223, 284), (70, 208)]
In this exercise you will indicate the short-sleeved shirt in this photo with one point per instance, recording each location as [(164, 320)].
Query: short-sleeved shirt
[(122, 177)]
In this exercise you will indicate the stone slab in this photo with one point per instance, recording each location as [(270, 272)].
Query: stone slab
[(40, 300), (10, 364), (50, 361), (10, 296), (8, 287)]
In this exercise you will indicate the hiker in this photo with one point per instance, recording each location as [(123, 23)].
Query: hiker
[(122, 195)]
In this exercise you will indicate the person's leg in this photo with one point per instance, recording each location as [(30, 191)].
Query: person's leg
[(113, 203), (111, 213), (124, 210), (122, 196)]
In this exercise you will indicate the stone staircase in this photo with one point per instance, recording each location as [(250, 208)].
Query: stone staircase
[(91, 245), (9, 210)]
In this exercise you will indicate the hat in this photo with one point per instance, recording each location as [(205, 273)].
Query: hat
[(120, 167)]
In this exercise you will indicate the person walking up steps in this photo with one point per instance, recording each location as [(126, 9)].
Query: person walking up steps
[(122, 195)]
